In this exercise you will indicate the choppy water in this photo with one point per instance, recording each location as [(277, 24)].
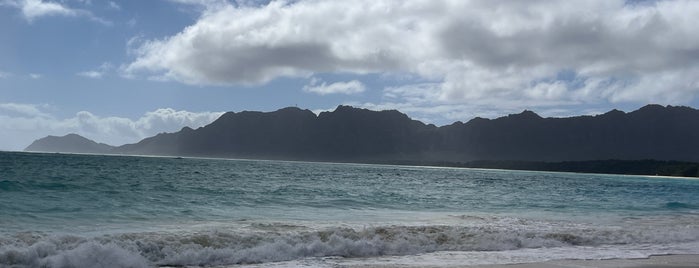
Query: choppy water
[(60, 210)]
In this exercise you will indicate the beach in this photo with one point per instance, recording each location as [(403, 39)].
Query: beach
[(451, 260), (674, 261)]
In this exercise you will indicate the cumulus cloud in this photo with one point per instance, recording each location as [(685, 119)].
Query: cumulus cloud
[(34, 9), (422, 102), (527, 52), (322, 88), (23, 123)]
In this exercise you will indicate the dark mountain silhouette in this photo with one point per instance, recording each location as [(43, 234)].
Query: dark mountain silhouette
[(652, 132), (359, 135), (346, 134), (71, 143)]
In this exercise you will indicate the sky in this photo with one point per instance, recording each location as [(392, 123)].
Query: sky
[(119, 71)]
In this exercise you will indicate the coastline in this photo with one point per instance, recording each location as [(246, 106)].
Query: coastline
[(656, 261), (436, 165)]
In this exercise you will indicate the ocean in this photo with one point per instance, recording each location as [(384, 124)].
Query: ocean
[(65, 210)]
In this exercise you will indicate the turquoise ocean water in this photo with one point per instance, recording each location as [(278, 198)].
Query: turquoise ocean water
[(60, 210)]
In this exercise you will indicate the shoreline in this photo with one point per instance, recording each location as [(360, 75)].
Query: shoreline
[(653, 261), (448, 165), (659, 261)]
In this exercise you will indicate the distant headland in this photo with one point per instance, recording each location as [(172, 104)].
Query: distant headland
[(653, 140)]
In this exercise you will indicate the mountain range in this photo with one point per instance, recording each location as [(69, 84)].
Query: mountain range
[(358, 135)]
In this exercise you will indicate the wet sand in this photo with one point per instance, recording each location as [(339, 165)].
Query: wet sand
[(661, 261), (664, 261)]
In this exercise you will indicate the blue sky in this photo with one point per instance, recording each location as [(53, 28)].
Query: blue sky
[(119, 71)]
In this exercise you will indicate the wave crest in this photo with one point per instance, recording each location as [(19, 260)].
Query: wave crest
[(271, 245)]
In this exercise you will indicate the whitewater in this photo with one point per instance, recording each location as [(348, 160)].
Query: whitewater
[(63, 210)]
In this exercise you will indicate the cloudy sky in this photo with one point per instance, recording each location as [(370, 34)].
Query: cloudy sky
[(118, 71)]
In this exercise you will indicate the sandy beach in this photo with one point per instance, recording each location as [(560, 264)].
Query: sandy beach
[(674, 261), (654, 261), (660, 261)]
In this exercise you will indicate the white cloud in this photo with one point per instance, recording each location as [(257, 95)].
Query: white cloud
[(32, 9), (205, 4), (4, 74), (23, 109), (23, 123), (35, 9), (91, 74), (322, 88), (35, 76), (425, 102), (99, 72), (132, 22), (496, 52), (114, 5)]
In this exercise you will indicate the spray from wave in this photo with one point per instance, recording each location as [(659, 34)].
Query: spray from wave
[(272, 243)]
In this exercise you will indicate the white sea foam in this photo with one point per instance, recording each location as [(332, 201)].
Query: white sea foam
[(69, 252), (481, 239)]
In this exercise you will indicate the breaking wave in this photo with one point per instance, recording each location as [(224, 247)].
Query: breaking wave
[(272, 243)]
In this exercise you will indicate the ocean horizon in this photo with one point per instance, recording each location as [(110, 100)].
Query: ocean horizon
[(76, 210)]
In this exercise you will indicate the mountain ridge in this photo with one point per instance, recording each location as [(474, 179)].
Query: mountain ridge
[(666, 133)]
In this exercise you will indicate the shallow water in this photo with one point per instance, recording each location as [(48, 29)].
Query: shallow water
[(122, 211)]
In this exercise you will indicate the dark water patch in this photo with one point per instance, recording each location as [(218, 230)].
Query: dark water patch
[(679, 205), (62, 210), (52, 186), (8, 185)]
